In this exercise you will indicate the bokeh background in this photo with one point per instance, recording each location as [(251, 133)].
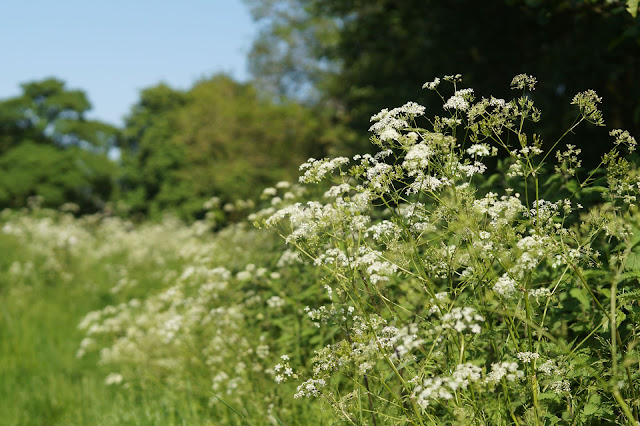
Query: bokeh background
[(147, 107)]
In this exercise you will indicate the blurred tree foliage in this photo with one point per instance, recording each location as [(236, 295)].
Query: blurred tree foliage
[(180, 148), (48, 148), (365, 55)]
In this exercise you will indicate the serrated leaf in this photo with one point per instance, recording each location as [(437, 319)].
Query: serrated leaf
[(582, 297), (630, 295), (549, 396), (590, 409), (633, 262), (629, 275)]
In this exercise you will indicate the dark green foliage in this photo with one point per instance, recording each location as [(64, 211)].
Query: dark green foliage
[(49, 149), (218, 139), (369, 55), (58, 176)]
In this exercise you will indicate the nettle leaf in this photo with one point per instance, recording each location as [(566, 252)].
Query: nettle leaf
[(633, 262), (590, 409), (630, 296), (582, 296), (620, 317), (549, 396)]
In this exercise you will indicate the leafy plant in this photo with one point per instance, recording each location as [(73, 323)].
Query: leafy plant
[(461, 301)]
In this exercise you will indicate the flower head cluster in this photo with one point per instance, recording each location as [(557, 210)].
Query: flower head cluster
[(623, 137), (316, 170), (522, 81), (444, 388), (587, 102), (461, 100), (432, 85), (461, 319), (388, 124)]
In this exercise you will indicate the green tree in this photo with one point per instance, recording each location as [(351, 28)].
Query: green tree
[(217, 139), (367, 55), (150, 157), (49, 148)]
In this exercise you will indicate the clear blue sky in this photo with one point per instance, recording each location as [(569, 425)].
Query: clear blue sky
[(113, 48)]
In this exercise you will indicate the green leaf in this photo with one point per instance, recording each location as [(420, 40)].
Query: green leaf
[(590, 409), (632, 7), (582, 296), (633, 262), (573, 186)]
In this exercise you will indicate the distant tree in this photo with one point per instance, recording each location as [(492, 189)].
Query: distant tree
[(149, 155), (217, 139), (49, 148)]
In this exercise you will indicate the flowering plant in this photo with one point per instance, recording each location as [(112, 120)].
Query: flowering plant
[(459, 300)]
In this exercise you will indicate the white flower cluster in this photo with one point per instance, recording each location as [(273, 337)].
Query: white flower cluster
[(527, 357), (522, 81), (432, 85), (505, 286), (461, 319), (283, 370), (444, 388), (417, 158), (405, 340), (424, 182), (507, 370), (370, 261), (479, 149), (460, 100), (384, 231), (316, 170), (276, 302), (310, 388), (388, 123), (502, 211), (587, 102), (623, 137)]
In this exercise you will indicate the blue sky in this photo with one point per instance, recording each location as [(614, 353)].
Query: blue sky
[(113, 48)]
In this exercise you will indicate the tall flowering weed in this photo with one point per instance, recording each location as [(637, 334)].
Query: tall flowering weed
[(455, 300)]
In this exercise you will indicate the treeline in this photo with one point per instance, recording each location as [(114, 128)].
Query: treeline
[(177, 149), (321, 69)]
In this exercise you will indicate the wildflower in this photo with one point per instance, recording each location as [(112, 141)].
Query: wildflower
[(527, 357), (269, 192), (113, 379), (432, 85), (310, 388), (505, 286), (460, 100), (315, 170), (521, 81), (479, 149), (587, 102), (461, 319), (624, 138), (243, 276), (561, 387), (417, 157), (507, 370)]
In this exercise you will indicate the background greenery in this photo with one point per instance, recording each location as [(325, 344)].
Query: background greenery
[(321, 69)]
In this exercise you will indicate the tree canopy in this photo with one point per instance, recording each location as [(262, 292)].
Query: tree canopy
[(48, 148), (180, 148), (367, 55)]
